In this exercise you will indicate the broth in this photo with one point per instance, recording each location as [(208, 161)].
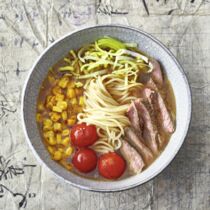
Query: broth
[(56, 126)]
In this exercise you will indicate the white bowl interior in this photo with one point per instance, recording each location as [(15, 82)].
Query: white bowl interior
[(73, 41)]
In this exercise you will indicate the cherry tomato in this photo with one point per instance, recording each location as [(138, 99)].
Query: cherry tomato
[(83, 135), (85, 160), (111, 165)]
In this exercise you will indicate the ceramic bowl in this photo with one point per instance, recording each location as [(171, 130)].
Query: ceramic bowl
[(146, 43)]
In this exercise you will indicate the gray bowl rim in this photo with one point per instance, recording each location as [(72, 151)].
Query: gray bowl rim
[(179, 68)]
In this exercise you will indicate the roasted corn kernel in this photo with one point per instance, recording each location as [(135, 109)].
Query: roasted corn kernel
[(47, 128), (64, 115), (63, 82), (50, 101), (57, 155), (71, 84), (71, 121), (54, 116), (58, 138), (81, 100), (56, 109), (39, 117), (65, 141), (48, 134), (47, 122), (62, 104), (65, 132), (61, 149), (68, 151), (50, 149), (74, 101), (49, 105), (70, 93), (57, 126), (56, 90), (49, 98), (59, 97), (40, 106), (51, 141)]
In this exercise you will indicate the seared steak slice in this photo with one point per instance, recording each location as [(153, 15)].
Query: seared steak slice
[(137, 143), (134, 161), (148, 94), (136, 121), (156, 74), (150, 84), (163, 116), (151, 96), (150, 132)]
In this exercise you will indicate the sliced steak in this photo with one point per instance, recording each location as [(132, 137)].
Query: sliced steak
[(150, 132), (138, 144), (151, 96), (150, 84), (148, 94), (163, 115), (136, 121), (134, 161), (156, 74)]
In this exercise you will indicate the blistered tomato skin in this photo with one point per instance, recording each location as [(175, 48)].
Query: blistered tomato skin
[(83, 135), (85, 160), (111, 165)]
